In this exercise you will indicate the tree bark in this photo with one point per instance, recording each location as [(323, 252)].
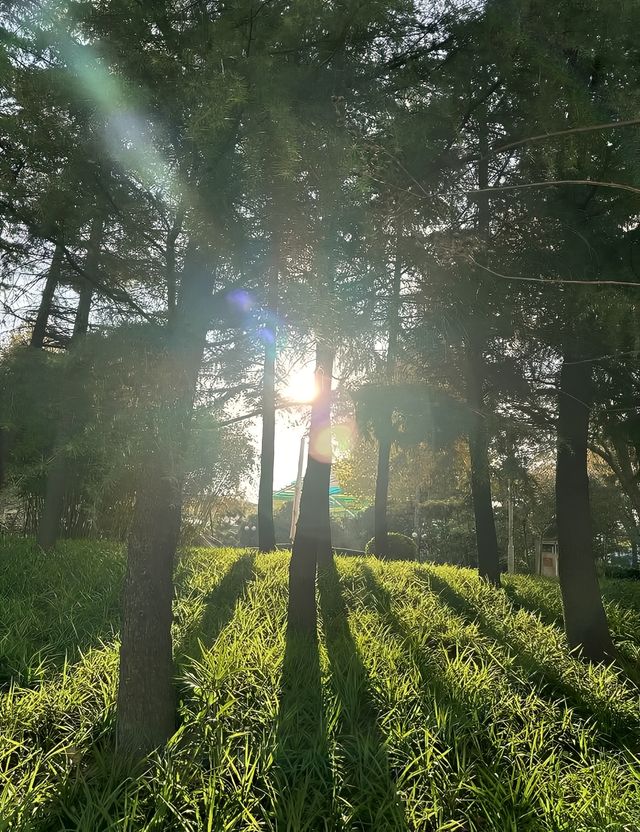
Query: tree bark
[(3, 457), (55, 487), (44, 310), (486, 537), (146, 697), (381, 528), (584, 617), (81, 322), (380, 524), (266, 529), (170, 253), (312, 543), (38, 335)]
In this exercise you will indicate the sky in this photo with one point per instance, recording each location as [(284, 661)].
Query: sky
[(291, 426)]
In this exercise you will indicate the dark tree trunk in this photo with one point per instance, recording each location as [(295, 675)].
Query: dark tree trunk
[(312, 543), (44, 310), (55, 487), (381, 529), (51, 517), (584, 617), (3, 457), (172, 237), (634, 554), (266, 529), (56, 484), (81, 323), (486, 538), (146, 697), (39, 328), (380, 524)]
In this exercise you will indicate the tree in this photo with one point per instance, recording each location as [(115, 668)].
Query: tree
[(584, 616), (49, 525), (385, 419)]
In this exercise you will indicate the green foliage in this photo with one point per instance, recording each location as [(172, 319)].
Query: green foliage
[(107, 383), (432, 702), (400, 547)]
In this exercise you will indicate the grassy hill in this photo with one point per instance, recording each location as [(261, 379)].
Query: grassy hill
[(432, 702)]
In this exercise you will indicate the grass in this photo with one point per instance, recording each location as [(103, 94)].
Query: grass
[(430, 702)]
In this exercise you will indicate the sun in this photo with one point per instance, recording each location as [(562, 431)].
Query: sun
[(300, 385)]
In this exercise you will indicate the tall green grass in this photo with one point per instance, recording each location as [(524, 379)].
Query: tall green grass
[(429, 702)]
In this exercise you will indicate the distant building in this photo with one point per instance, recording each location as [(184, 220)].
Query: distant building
[(548, 552)]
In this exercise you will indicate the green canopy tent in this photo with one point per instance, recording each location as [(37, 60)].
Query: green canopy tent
[(339, 502)]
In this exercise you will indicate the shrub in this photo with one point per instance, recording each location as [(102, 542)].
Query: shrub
[(628, 573), (400, 547)]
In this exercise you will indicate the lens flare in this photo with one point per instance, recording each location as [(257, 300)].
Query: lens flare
[(241, 300), (344, 434), (320, 447), (267, 336), (300, 386)]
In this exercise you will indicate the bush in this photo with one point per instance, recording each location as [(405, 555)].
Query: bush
[(400, 547), (627, 573)]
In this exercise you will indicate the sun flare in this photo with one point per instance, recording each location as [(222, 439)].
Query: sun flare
[(300, 385)]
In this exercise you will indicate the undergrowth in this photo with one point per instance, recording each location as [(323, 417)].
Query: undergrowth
[(429, 702)]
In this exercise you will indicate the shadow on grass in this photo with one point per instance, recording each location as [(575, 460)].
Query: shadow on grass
[(465, 740), (303, 777), (50, 617), (100, 785), (220, 606), (549, 613), (624, 618), (368, 788), (614, 727)]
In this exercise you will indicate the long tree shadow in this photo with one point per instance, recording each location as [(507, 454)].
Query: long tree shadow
[(464, 735), (615, 726), (549, 613), (100, 783), (621, 606), (220, 606), (303, 776), (50, 621), (368, 787)]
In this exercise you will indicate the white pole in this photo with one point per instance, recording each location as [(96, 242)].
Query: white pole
[(296, 496), (511, 559)]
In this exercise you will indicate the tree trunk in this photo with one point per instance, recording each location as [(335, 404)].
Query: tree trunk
[(170, 272), (44, 310), (312, 543), (584, 617), (380, 525), (81, 323), (3, 457), (381, 529), (38, 335), (266, 530), (55, 487), (146, 697), (634, 554), (486, 537)]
